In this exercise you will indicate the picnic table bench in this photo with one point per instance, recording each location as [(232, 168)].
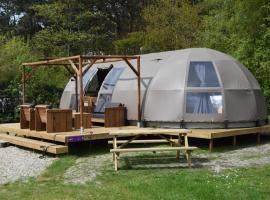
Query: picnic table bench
[(162, 133)]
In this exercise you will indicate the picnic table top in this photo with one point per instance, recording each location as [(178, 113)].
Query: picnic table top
[(148, 131)]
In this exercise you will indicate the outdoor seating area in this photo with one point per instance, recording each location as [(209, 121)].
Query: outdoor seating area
[(44, 118), (165, 134)]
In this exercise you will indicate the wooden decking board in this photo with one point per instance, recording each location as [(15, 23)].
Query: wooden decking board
[(96, 133), (35, 144), (220, 133)]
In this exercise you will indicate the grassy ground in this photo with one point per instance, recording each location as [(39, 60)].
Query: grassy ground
[(157, 183)]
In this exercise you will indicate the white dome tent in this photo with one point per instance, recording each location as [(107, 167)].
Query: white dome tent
[(191, 88)]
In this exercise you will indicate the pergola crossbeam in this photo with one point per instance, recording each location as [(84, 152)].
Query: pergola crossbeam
[(77, 63), (73, 66)]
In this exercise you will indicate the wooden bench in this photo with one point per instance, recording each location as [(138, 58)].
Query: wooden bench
[(53, 120), (136, 134), (188, 151), (27, 117)]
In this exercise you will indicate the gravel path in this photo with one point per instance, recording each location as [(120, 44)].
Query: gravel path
[(87, 168), (244, 157), (16, 163)]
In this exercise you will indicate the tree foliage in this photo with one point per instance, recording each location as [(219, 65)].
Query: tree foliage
[(33, 29), (240, 28), (170, 25)]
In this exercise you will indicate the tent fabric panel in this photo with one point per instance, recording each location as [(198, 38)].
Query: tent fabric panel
[(261, 106), (164, 105), (253, 82), (129, 99), (235, 80), (240, 105), (170, 77)]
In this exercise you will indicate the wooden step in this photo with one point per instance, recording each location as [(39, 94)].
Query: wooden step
[(35, 144)]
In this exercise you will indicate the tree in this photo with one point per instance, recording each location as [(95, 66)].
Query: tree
[(13, 52), (72, 27), (240, 28), (170, 25)]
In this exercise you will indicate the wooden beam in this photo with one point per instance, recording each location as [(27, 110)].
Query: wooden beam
[(150, 141), (131, 67), (74, 66), (89, 66), (23, 84), (153, 149), (45, 62), (35, 144), (29, 74), (70, 72), (76, 93), (147, 131), (107, 57), (81, 94), (139, 88), (127, 142)]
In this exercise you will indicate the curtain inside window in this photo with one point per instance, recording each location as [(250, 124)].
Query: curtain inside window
[(202, 74), (204, 103)]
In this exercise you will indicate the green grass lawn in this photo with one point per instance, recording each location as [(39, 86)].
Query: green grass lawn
[(159, 183)]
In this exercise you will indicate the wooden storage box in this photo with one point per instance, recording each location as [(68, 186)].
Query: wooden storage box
[(86, 120), (115, 116)]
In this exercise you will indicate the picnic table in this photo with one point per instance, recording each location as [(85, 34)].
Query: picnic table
[(162, 133)]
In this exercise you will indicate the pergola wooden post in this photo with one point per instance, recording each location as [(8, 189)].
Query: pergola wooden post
[(81, 93), (139, 88), (23, 84), (77, 63)]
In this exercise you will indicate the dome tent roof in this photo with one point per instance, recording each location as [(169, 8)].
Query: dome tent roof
[(196, 86)]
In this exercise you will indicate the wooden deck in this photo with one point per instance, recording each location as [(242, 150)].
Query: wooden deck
[(96, 133), (212, 134), (220, 133)]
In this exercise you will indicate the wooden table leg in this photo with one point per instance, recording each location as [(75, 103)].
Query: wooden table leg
[(114, 154), (179, 144), (187, 152), (114, 146)]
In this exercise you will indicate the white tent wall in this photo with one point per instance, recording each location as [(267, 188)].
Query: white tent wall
[(167, 95)]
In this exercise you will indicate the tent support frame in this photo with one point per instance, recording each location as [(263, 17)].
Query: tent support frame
[(77, 63)]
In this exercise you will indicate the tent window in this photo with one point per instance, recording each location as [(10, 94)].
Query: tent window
[(202, 74), (204, 103)]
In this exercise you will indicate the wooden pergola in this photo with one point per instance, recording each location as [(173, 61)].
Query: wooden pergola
[(77, 66)]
